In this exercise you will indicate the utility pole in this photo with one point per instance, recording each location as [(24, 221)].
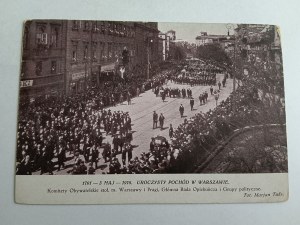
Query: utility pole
[(85, 83), (148, 62), (229, 27), (149, 41)]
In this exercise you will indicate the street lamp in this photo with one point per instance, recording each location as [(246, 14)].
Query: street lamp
[(149, 40)]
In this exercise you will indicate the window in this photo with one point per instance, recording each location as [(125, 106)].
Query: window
[(121, 30), (109, 28), (94, 52), (109, 50), (103, 27), (74, 55), (113, 50), (75, 25), (53, 67), (95, 27), (125, 31), (54, 36), (105, 51), (102, 51), (86, 25), (85, 53), (41, 36), (115, 29), (74, 52), (38, 68)]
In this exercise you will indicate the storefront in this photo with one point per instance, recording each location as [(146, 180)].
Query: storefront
[(107, 72), (79, 82), (31, 89)]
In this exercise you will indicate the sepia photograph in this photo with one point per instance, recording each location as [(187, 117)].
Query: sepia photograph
[(125, 97)]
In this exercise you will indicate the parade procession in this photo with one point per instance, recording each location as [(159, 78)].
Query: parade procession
[(127, 104)]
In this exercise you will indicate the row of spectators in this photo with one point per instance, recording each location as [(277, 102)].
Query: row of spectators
[(265, 75), (49, 128), (194, 140)]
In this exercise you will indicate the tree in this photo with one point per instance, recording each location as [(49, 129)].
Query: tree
[(213, 52), (179, 53)]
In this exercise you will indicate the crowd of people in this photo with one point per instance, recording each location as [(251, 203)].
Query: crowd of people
[(264, 74), (193, 140), (196, 137), (173, 92), (198, 73), (50, 128)]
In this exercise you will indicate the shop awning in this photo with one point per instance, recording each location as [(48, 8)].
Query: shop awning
[(109, 67)]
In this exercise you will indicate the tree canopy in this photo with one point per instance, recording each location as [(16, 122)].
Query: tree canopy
[(213, 52), (179, 53)]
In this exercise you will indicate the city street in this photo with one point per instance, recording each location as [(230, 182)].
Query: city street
[(141, 111)]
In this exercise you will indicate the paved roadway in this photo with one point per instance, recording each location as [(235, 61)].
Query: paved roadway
[(141, 111)]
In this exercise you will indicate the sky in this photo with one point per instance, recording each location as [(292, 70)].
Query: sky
[(189, 31)]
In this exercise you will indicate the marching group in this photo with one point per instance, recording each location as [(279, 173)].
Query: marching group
[(198, 73), (57, 130)]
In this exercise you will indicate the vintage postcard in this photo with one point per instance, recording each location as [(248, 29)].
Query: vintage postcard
[(150, 112)]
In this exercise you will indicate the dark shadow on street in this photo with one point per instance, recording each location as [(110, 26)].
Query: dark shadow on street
[(164, 128)]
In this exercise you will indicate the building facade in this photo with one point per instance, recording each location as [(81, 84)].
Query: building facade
[(43, 59), (260, 40), (67, 57), (94, 51), (171, 34), (167, 41), (208, 39)]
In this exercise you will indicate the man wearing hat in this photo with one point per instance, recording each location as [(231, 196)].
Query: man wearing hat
[(181, 110), (161, 121), (152, 144), (192, 103), (107, 152), (155, 119), (211, 89)]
